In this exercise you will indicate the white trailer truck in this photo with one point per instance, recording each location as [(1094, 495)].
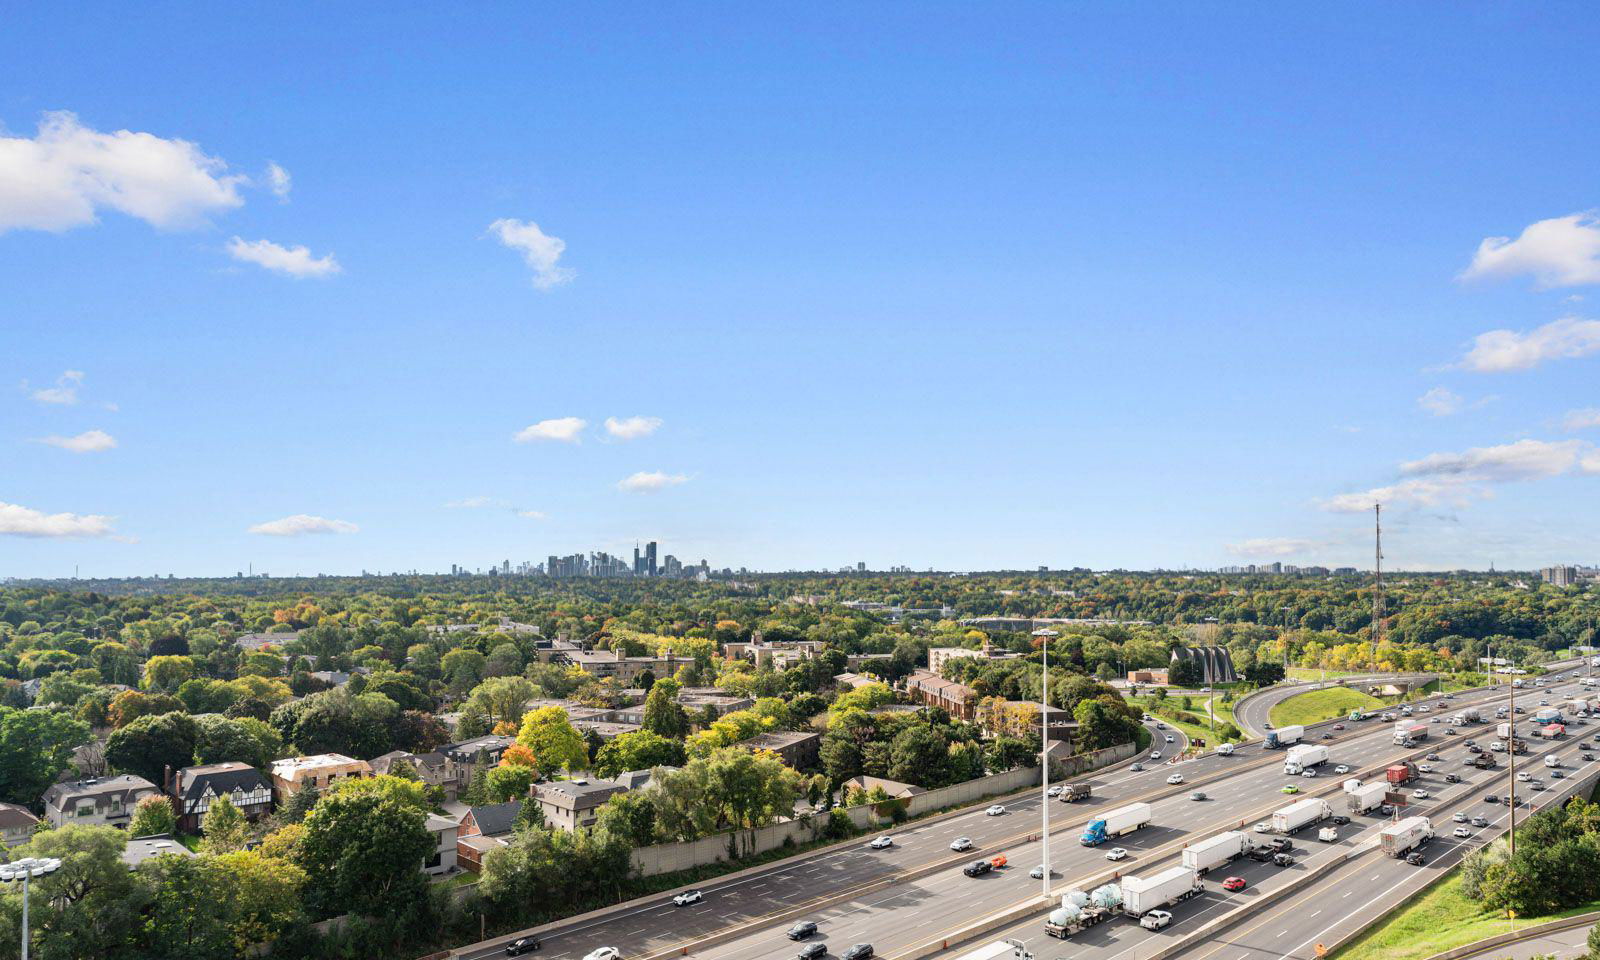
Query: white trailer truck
[(1140, 895), (1368, 796), (1408, 732), (1401, 838), (1297, 816), (1216, 851), (1304, 756), (1114, 824), (1284, 737)]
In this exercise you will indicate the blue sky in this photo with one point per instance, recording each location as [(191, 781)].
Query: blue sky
[(964, 286)]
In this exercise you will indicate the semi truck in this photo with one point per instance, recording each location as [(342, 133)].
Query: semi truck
[(1505, 731), (1401, 838), (1303, 757), (1400, 773), (1484, 761), (1073, 792), (1284, 737), (1368, 796), (1114, 824), (1551, 731), (1408, 732), (1547, 715), (1140, 895), (1301, 814), (1216, 851), (1076, 914)]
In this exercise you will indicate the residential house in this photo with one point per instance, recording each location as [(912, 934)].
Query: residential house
[(637, 779), (469, 758), (196, 788), (483, 829), (16, 825), (571, 804), (293, 774), (433, 769), (140, 849), (443, 858), (97, 801), (611, 663), (605, 729), (253, 642), (894, 788), (930, 689), (796, 748)]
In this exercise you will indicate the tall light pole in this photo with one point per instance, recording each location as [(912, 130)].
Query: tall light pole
[(24, 870), (1045, 636)]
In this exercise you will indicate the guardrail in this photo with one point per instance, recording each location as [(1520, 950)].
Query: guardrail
[(1526, 933)]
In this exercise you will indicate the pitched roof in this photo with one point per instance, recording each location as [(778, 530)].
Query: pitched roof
[(98, 787), (12, 816), (495, 818), (221, 778), (578, 794)]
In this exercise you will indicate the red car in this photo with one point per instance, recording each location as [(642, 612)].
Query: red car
[(1233, 883)]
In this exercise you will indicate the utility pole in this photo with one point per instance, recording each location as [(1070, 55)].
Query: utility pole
[(1377, 589), (1045, 636), (1511, 768)]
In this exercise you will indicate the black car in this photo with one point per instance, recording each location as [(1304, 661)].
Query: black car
[(1416, 859), (1474, 748), (1557, 775), (1451, 778), (812, 951), (1340, 820), (1587, 757), (522, 945), (977, 868), (1327, 736), (1283, 860), (801, 930), (1490, 798), (861, 951)]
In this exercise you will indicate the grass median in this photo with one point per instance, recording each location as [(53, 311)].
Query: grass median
[(1317, 705)]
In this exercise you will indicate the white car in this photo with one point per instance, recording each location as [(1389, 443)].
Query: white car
[(1037, 873), (1155, 754), (881, 843), (1263, 827), (603, 953), (1462, 832), (1225, 749), (1169, 739), (1425, 768), (1176, 778), (1341, 768), (1523, 777), (1420, 794), (1054, 791), (1116, 853), (961, 843), (1460, 818), (1309, 774), (995, 810), (687, 897), (1155, 919)]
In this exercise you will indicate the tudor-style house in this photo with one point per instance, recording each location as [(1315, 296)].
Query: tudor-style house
[(194, 789)]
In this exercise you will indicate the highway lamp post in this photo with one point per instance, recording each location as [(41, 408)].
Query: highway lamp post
[(25, 870), (1045, 636)]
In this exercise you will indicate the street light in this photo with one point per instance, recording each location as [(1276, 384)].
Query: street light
[(24, 870), (1045, 636)]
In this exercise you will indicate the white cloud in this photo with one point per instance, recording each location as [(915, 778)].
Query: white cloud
[(20, 521), (1459, 479), (279, 182), (65, 392), (1582, 419), (476, 503), (632, 428), (1270, 547), (62, 177), (1440, 402), (1500, 351), (563, 429), (651, 482), (295, 261), (530, 514), (90, 441), (301, 524), (1559, 252), (540, 250)]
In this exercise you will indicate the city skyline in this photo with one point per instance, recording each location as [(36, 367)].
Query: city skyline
[(1069, 286)]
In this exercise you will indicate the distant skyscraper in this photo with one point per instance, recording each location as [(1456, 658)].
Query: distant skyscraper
[(650, 558), (638, 564)]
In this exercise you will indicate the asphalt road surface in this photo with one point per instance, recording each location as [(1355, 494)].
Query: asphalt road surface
[(909, 912)]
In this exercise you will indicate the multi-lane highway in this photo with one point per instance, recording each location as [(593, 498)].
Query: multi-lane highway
[(905, 897)]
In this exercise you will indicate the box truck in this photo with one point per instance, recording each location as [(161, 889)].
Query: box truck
[(1140, 895), (1401, 838), (1551, 731), (1303, 757), (1216, 851), (1284, 737), (1408, 732), (1367, 797), (1301, 814), (1114, 824)]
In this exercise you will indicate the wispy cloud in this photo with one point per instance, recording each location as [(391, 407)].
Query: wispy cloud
[(632, 428), (559, 429), (1459, 479), (64, 393), (1440, 402), (539, 250), (20, 521), (302, 524), (1503, 351), (293, 261), (1559, 252), (650, 481), (1582, 419), (494, 503), (1270, 546), (279, 182), (65, 174), (89, 441)]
